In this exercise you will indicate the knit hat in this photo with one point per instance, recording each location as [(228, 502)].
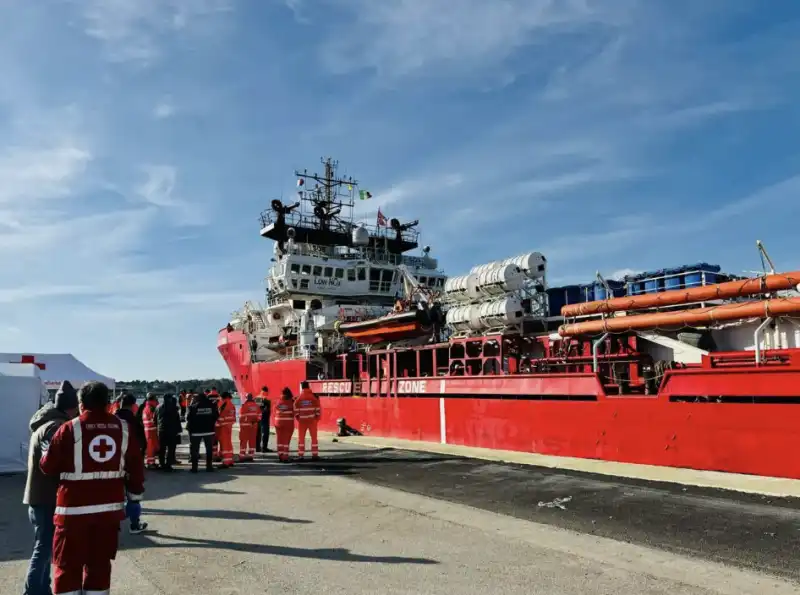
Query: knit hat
[(66, 397)]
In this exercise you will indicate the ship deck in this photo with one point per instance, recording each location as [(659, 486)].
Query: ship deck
[(370, 520)]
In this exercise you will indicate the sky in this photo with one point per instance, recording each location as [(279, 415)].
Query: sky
[(139, 141)]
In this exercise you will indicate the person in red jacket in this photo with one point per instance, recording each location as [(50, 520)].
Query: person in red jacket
[(284, 424), (249, 416), (151, 430), (97, 459), (307, 410)]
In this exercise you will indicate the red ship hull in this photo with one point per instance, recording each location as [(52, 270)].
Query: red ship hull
[(723, 415)]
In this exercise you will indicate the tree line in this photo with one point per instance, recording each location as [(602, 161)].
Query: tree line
[(140, 388)]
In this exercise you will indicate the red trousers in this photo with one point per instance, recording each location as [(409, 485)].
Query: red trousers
[(283, 432), (82, 556), (153, 446), (247, 441), (225, 438), (310, 426)]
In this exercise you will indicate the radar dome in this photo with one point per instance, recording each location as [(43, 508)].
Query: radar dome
[(360, 236)]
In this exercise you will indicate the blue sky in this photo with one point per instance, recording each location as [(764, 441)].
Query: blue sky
[(140, 140)]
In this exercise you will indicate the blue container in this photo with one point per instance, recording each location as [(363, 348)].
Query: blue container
[(599, 292), (588, 293), (635, 288), (696, 279), (673, 282), (651, 286), (555, 300), (572, 294)]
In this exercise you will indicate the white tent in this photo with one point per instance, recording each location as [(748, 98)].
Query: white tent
[(59, 367), (21, 393)]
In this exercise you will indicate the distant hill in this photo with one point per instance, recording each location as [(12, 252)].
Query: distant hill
[(140, 388)]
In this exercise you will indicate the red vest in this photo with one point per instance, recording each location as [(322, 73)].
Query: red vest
[(93, 457), (306, 406), (284, 413), (249, 413), (149, 417), (227, 413)]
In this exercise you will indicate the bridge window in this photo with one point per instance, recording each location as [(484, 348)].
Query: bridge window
[(295, 268), (318, 271), (362, 274), (294, 283), (328, 272), (423, 280), (351, 274), (339, 273), (306, 269), (303, 283)]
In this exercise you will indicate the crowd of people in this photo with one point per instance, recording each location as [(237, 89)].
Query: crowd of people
[(87, 461)]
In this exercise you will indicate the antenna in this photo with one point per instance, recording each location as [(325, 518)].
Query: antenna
[(765, 259)]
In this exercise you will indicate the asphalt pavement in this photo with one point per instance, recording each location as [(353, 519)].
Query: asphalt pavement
[(366, 521)]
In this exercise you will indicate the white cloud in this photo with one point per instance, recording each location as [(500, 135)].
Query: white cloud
[(164, 109), (158, 189), (31, 173), (134, 31), (398, 37)]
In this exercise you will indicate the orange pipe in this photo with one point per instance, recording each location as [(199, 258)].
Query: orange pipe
[(730, 289), (681, 318)]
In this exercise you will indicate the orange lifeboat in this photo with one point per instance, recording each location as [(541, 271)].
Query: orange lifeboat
[(730, 289), (395, 326), (681, 318)]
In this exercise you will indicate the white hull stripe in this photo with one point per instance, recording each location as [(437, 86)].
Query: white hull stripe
[(442, 422), (92, 475), (93, 509)]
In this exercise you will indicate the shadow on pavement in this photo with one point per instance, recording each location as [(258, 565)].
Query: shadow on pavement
[(335, 554), (230, 515)]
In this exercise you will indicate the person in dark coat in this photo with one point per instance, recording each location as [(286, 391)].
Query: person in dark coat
[(168, 420), (125, 412), (262, 438), (201, 422), (40, 490)]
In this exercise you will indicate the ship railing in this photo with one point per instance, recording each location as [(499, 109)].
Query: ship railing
[(310, 221)]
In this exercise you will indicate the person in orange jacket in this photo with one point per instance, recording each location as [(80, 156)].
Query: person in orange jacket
[(151, 430), (224, 429), (183, 403), (307, 411), (249, 416), (284, 424)]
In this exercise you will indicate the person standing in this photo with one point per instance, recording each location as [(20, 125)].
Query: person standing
[(97, 458), (227, 417), (168, 422), (150, 429), (201, 420), (183, 403), (249, 416), (284, 423), (262, 439), (126, 413), (40, 490), (307, 410)]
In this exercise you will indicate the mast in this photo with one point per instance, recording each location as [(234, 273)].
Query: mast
[(327, 195), (323, 216)]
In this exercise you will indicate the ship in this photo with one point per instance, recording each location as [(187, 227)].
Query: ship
[(687, 367)]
